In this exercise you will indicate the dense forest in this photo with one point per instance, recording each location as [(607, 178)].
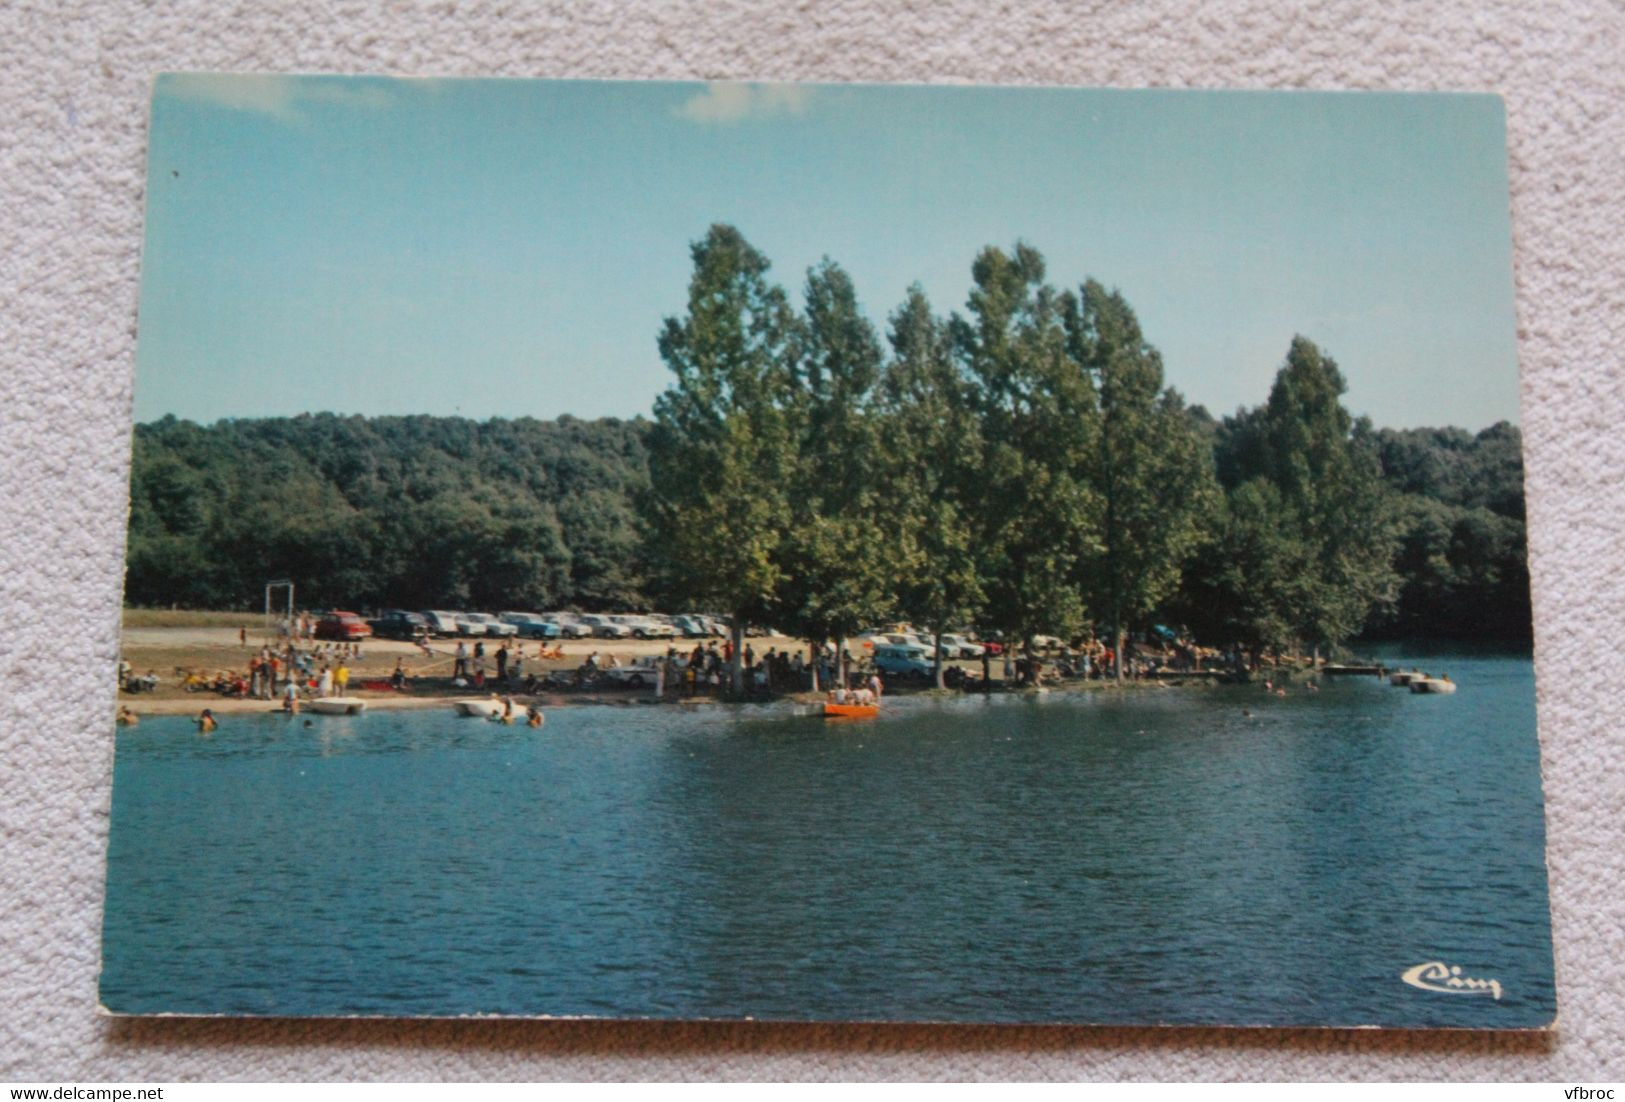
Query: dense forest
[(416, 512), (1020, 467)]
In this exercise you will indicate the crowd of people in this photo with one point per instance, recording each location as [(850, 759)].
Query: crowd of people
[(293, 667)]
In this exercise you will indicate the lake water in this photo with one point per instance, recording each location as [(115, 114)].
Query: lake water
[(1150, 856)]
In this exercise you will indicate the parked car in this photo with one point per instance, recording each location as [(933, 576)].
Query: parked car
[(638, 673), (903, 661), (343, 626), (958, 646), (892, 639), (570, 625), (605, 628), (532, 625), (394, 623), (483, 623), (440, 623), (691, 627), (646, 627)]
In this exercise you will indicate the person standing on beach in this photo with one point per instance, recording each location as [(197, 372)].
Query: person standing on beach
[(324, 686), (341, 677), (461, 667), (502, 663)]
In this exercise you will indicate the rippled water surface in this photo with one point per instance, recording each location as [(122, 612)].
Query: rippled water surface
[(1155, 856)]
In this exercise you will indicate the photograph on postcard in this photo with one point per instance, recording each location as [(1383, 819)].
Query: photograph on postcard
[(830, 553)]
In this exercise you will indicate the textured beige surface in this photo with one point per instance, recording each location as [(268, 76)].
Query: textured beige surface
[(72, 135)]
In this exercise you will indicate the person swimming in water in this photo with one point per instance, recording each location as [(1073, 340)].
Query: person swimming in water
[(125, 717), (206, 722), (533, 716)]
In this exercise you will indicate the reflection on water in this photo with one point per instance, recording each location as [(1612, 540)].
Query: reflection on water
[(1155, 856)]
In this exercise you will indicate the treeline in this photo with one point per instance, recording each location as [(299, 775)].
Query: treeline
[(416, 512), (1020, 466)]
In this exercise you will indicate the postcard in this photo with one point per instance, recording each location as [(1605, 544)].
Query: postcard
[(826, 553)]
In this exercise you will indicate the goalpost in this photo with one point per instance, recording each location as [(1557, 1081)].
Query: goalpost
[(270, 591)]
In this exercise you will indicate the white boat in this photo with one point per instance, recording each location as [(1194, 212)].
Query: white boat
[(1432, 685), (337, 706), (487, 708), (1404, 677)]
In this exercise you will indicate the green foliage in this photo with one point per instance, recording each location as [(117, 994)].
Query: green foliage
[(1463, 557), (838, 572), (1033, 516), (421, 512), (1317, 472), (1151, 467), (722, 451), (928, 468)]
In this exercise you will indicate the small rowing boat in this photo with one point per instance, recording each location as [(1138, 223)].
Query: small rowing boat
[(850, 711), (337, 706), (1432, 685), (488, 708)]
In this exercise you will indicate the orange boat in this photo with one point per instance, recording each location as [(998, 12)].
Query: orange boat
[(850, 711)]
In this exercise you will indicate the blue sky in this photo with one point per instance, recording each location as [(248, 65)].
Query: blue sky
[(508, 248)]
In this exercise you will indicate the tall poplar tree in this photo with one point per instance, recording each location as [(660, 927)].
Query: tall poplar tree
[(837, 562), (1151, 471), (1034, 518), (722, 448), (930, 463)]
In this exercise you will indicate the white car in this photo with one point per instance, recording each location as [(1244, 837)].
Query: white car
[(605, 628), (570, 625), (441, 623), (481, 623), (957, 646), (646, 627), (640, 672)]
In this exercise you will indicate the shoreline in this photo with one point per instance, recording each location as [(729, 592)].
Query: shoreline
[(142, 705)]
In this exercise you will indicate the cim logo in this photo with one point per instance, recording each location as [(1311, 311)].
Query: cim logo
[(1448, 980)]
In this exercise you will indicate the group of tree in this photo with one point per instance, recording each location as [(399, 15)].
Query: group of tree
[(1019, 467), (414, 512)]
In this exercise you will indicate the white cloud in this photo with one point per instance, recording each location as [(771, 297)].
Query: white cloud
[(729, 101), (275, 95)]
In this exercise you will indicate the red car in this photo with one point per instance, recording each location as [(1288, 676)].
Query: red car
[(343, 626)]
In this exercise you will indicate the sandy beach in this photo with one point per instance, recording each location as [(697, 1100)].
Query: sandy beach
[(169, 652)]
